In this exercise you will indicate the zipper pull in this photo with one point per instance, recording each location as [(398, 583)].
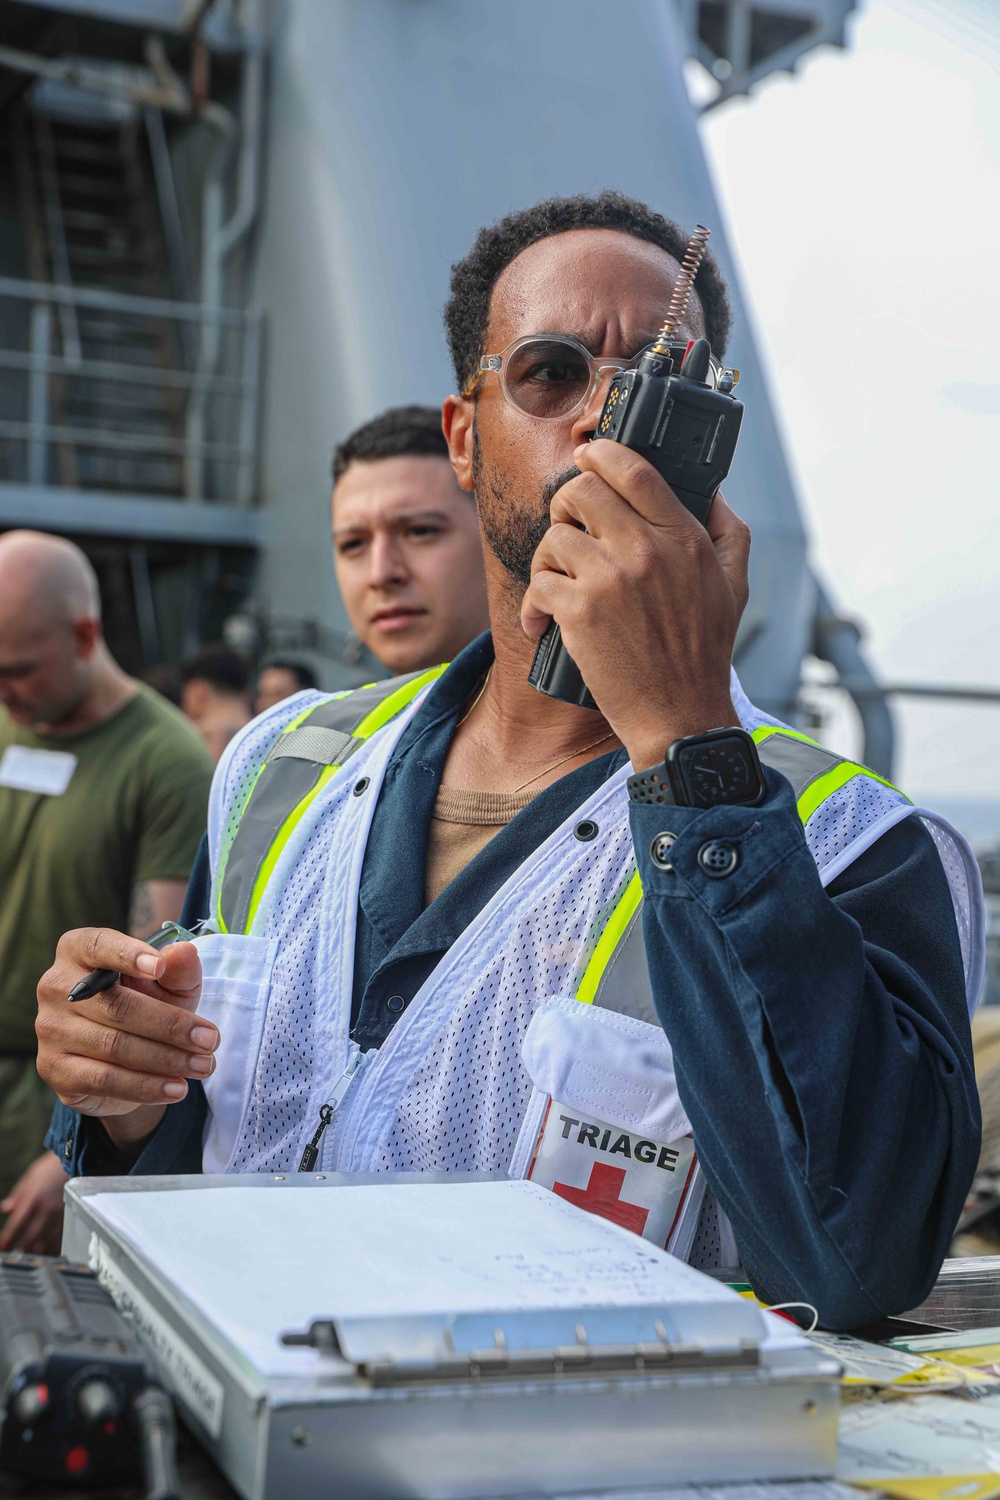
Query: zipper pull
[(310, 1155)]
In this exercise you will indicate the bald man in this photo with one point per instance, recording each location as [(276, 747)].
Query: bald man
[(103, 793)]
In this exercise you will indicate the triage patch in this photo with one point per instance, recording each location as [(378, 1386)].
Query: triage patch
[(638, 1183)]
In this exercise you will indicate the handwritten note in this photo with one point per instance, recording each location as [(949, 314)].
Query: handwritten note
[(921, 1437)]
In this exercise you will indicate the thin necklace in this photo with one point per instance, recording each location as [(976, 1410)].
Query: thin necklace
[(476, 698), (556, 764)]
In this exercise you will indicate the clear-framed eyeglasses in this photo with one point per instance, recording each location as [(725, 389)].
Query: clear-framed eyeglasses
[(552, 376)]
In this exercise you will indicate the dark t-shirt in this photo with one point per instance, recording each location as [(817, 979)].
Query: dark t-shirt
[(133, 810)]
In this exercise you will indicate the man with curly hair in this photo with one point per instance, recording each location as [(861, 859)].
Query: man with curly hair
[(436, 886)]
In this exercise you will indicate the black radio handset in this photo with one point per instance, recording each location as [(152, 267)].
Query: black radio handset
[(684, 425)]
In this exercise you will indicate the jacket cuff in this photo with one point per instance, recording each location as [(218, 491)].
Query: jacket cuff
[(85, 1150), (717, 856), (61, 1137)]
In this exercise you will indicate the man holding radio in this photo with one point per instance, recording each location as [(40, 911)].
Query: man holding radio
[(774, 1063)]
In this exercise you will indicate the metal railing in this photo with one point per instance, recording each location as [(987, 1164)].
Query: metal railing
[(149, 397)]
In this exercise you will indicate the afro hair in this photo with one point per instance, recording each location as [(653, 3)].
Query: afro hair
[(466, 313)]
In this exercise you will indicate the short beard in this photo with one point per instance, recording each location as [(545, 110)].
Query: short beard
[(512, 535)]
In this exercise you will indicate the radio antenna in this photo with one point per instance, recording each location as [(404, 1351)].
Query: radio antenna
[(697, 245)]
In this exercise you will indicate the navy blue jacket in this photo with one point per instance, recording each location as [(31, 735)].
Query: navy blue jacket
[(821, 1037)]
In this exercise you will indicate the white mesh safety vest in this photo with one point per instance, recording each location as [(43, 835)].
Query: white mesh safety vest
[(533, 1048)]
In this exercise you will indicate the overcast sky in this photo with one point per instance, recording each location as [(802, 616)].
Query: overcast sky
[(863, 200)]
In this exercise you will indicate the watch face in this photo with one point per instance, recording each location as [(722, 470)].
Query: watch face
[(720, 770)]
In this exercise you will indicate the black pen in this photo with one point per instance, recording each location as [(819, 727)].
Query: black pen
[(93, 983), (99, 980)]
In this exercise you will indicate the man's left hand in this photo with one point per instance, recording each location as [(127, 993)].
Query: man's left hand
[(648, 599)]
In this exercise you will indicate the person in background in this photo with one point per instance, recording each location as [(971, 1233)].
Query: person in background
[(103, 792), (165, 680), (216, 694), (406, 542), (278, 680)]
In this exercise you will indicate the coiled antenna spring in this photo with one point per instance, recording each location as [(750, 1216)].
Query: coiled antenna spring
[(697, 245)]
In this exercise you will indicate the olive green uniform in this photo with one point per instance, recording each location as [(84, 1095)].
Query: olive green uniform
[(133, 810)]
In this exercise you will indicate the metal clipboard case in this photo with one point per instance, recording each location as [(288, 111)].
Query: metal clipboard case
[(490, 1400)]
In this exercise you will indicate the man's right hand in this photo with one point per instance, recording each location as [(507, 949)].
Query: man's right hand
[(123, 1055)]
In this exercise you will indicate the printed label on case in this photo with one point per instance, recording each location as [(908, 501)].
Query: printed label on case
[(181, 1370)]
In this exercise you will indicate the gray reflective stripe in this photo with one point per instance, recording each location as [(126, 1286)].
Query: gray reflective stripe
[(325, 747), (279, 786), (624, 985), (802, 764), (285, 781), (346, 712)]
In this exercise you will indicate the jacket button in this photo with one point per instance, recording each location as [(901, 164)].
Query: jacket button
[(68, 1148), (660, 848), (396, 1003), (718, 858), (586, 830)]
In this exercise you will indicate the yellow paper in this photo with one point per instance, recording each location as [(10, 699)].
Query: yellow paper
[(978, 1354), (937, 1487), (865, 1364), (940, 1374)]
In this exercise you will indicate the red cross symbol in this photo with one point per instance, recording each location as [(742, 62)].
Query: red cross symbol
[(602, 1196)]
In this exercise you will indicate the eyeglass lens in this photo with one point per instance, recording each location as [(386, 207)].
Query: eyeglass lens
[(547, 377), (551, 377)]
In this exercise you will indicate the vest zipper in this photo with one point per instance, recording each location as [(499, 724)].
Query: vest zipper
[(357, 1061)]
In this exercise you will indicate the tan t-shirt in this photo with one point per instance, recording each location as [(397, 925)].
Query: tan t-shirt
[(462, 823)]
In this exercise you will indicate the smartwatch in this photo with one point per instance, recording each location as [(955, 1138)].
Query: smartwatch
[(721, 767)]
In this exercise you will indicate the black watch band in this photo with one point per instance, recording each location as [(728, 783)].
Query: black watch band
[(719, 768), (652, 786)]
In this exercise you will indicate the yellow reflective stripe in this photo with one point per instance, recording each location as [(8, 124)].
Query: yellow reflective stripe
[(280, 840), (824, 786), (379, 716), (391, 706), (609, 940), (294, 724), (224, 860), (831, 781)]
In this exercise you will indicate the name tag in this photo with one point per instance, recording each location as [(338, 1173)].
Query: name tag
[(28, 770), (638, 1183)]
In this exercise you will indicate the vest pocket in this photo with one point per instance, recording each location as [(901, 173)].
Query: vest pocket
[(236, 983), (604, 1127)]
